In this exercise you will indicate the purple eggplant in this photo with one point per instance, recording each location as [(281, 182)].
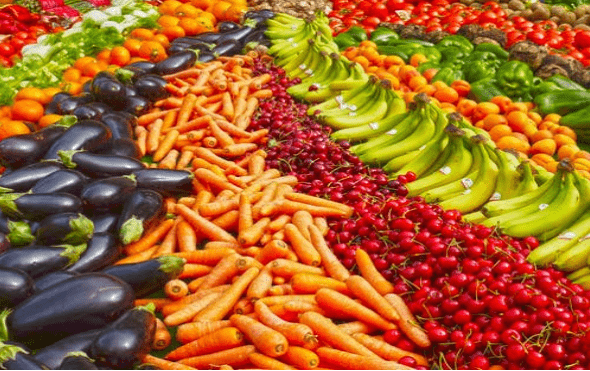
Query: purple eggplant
[(141, 68), (14, 356), (82, 303), (141, 211), (228, 47), (100, 166), (66, 180), (86, 134), (36, 206), (120, 123), (53, 278), (15, 287), (123, 147), (176, 62), (227, 26), (37, 260), (107, 89), (136, 105), (107, 194), (68, 105), (24, 178), (77, 361), (167, 182), (103, 250), (105, 222), (70, 228), (54, 354), (149, 276), (153, 87), (86, 112)]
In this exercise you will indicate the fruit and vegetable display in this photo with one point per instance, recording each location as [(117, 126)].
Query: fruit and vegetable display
[(295, 185)]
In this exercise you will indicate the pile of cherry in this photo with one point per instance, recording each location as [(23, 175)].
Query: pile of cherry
[(479, 300)]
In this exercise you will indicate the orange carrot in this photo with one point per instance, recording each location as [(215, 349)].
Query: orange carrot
[(268, 341), (141, 134), (278, 223), (159, 303), (186, 237), (236, 150), (260, 284), (245, 220), (223, 138), (268, 194), (194, 124), (299, 306), (184, 113), (153, 138), (168, 245), (302, 247), (188, 332), (139, 257), (261, 94), (333, 300), (163, 364), (191, 72), (211, 157), (225, 367), (224, 271), (169, 162), (162, 338), (218, 207), (296, 333), (321, 202), (166, 145), (408, 323), (387, 351), (275, 249), (305, 283), (150, 238), (259, 136), (303, 359), (232, 129), (363, 290), (371, 274), (228, 221), (356, 327), (202, 198), (274, 300), (169, 119), (208, 177), (330, 262), (252, 235), (243, 306), (321, 224), (193, 271), (263, 362), (209, 142), (284, 289), (207, 257), (234, 357), (302, 220), (222, 306), (150, 117), (222, 339), (350, 361), (256, 163), (286, 268), (331, 334), (203, 225), (189, 311), (176, 289), (244, 120), (177, 305), (228, 106), (184, 160)]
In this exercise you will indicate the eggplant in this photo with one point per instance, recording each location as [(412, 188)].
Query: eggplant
[(59, 97), (14, 356), (86, 112), (127, 340), (21, 150), (167, 182), (228, 48), (53, 278), (147, 366), (52, 106), (82, 303), (69, 104), (4, 243), (66, 180), (70, 228), (177, 48), (223, 27), (109, 91), (120, 124), (54, 354), (107, 194), (141, 211), (153, 87), (141, 68), (207, 57), (149, 276), (15, 287), (24, 178), (264, 13), (123, 147), (236, 35), (86, 134), (206, 37), (258, 37), (87, 87), (176, 62), (137, 105), (103, 250), (130, 91), (77, 361), (37, 260), (105, 222), (100, 166), (37, 206)]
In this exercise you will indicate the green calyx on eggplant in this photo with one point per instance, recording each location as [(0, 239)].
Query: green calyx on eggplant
[(82, 303), (153, 87), (24, 178), (46, 281), (14, 356), (15, 287), (36, 206), (54, 354), (66, 180), (149, 276), (167, 182), (99, 165), (127, 340), (103, 250), (20, 233), (141, 211), (109, 193), (21, 150), (37, 260), (77, 361), (70, 228), (90, 135)]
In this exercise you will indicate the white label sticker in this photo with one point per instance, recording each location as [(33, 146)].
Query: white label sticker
[(422, 148), (466, 183), (391, 132), (467, 191), (496, 196), (339, 99), (352, 113), (445, 170), (374, 125), (309, 72), (316, 85), (290, 39), (543, 206), (404, 15), (567, 236), (302, 66), (294, 27), (352, 107)]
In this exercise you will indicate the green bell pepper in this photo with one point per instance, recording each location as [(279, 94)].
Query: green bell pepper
[(497, 50), (484, 90), (565, 83), (515, 78), (448, 75), (479, 70), (453, 54), (427, 65), (483, 56), (352, 37), (382, 35), (562, 102), (460, 42), (545, 87), (431, 53)]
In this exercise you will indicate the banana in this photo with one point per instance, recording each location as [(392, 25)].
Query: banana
[(584, 282), (318, 76), (354, 105), (340, 70), (508, 176), (574, 258), (370, 130), (474, 217), (371, 110), (300, 63), (317, 61), (397, 163), (362, 92), (527, 179), (579, 274), (299, 57)]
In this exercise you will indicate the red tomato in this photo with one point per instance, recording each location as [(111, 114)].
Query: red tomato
[(585, 52), (582, 39), (378, 10), (488, 16), (555, 42), (21, 35), (6, 50), (17, 43), (364, 5), (393, 5), (537, 37), (5, 62), (371, 22), (452, 28)]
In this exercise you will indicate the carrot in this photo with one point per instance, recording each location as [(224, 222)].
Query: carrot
[(331, 334), (225, 367), (227, 268), (194, 124), (150, 238), (296, 333), (258, 136), (330, 262), (284, 289), (274, 300), (244, 120), (302, 247), (186, 237), (333, 300), (240, 181), (303, 359), (222, 339), (321, 224), (260, 284), (266, 237), (268, 341), (234, 357), (209, 142), (223, 138), (351, 361), (236, 150), (177, 305), (363, 290), (175, 289), (207, 257), (153, 139), (261, 94), (222, 306), (275, 249), (208, 177), (141, 134), (221, 245), (203, 225), (356, 327), (289, 180), (232, 129), (408, 323), (193, 271), (169, 119), (166, 145), (185, 314), (188, 332), (298, 307), (277, 280), (286, 268), (163, 364), (245, 220), (138, 257), (243, 306), (159, 303), (162, 338), (263, 362), (169, 162), (168, 245), (322, 202), (305, 283), (252, 235), (184, 160), (170, 205), (371, 274), (191, 72), (386, 350), (148, 118), (211, 157), (302, 220), (217, 208), (228, 221), (268, 194), (202, 198), (228, 106)]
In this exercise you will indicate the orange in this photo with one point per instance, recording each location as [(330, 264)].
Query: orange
[(72, 74), (567, 131), (27, 110), (91, 69), (50, 119), (553, 117), (546, 146), (152, 50), (50, 92), (562, 139), (168, 7), (541, 134), (492, 120), (162, 39), (499, 131), (512, 142), (142, 34), (219, 8), (14, 127), (417, 82), (120, 56), (541, 158), (81, 62), (104, 55), (186, 10), (201, 4), (133, 46), (483, 109), (418, 59), (209, 16), (173, 32), (168, 20), (73, 88), (32, 93), (567, 151)]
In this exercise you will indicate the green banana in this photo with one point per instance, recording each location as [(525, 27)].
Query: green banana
[(354, 106), (362, 92), (508, 176), (371, 111), (527, 179), (340, 70), (318, 76), (574, 258), (579, 274), (475, 217), (584, 282)]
